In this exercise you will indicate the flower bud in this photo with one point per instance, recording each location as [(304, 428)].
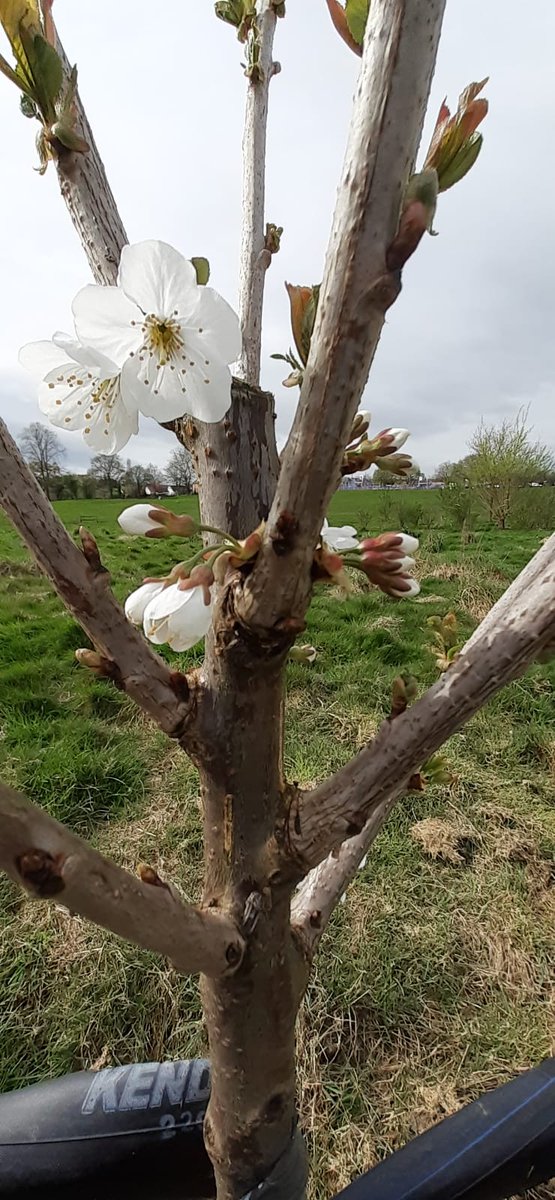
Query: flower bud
[(304, 654), (386, 564), (397, 464), (91, 659), (156, 522), (304, 303), (136, 603), (417, 214), (404, 690)]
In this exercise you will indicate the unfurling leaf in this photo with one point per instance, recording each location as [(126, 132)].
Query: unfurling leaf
[(339, 18), (356, 12), (202, 268), (455, 145)]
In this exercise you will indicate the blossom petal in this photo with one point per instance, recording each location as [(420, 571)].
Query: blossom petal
[(73, 400), (214, 326), (200, 388), (107, 321), (86, 356), (158, 278), (180, 618), (137, 602), (42, 357)]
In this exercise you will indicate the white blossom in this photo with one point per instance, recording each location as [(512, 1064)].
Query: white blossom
[(137, 602), (341, 537), (178, 618), (80, 388), (172, 338)]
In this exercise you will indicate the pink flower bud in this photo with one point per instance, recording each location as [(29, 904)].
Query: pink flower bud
[(387, 565)]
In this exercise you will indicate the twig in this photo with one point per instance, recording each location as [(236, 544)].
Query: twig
[(167, 697), (89, 199), (398, 60), (321, 890), (319, 821), (254, 260), (52, 863)]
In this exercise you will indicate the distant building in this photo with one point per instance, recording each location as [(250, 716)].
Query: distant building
[(158, 490)]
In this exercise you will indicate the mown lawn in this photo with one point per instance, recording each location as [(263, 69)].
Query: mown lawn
[(436, 977)]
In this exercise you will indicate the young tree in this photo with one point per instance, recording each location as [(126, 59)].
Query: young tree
[(502, 460), (109, 470), (180, 472), (43, 451), (277, 857)]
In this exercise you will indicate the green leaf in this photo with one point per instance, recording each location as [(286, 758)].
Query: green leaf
[(47, 69), (356, 12), (202, 268)]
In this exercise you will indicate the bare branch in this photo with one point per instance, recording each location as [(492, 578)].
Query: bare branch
[(320, 890), (83, 586), (255, 259), (398, 60), (52, 863), (89, 199), (321, 820)]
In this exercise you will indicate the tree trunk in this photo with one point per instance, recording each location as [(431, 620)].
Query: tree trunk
[(236, 460), (250, 1022)]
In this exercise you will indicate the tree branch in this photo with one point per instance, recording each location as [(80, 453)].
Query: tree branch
[(52, 863), (399, 54), (254, 259), (321, 890), (89, 198), (319, 821), (83, 586)]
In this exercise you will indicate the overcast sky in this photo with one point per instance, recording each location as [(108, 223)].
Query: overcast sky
[(472, 334)]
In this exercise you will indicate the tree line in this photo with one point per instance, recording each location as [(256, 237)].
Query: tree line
[(108, 475)]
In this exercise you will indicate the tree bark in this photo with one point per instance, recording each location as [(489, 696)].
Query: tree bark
[(236, 460), (254, 259), (89, 199), (53, 864), (251, 1025)]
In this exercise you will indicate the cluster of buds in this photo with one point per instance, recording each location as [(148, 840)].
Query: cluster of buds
[(46, 93), (381, 450), (304, 306), (239, 13), (436, 770), (386, 561), (445, 644), (176, 609)]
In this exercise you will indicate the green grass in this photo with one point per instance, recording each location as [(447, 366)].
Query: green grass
[(435, 978)]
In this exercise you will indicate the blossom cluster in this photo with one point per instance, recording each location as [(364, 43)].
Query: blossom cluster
[(157, 344)]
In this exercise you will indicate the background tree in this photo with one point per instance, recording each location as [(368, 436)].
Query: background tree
[(180, 471), (137, 476), (502, 460), (108, 470), (44, 452), (277, 858)]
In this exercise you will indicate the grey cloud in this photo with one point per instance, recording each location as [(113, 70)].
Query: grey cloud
[(472, 333)]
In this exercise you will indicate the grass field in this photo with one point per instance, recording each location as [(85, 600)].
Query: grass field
[(435, 980)]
